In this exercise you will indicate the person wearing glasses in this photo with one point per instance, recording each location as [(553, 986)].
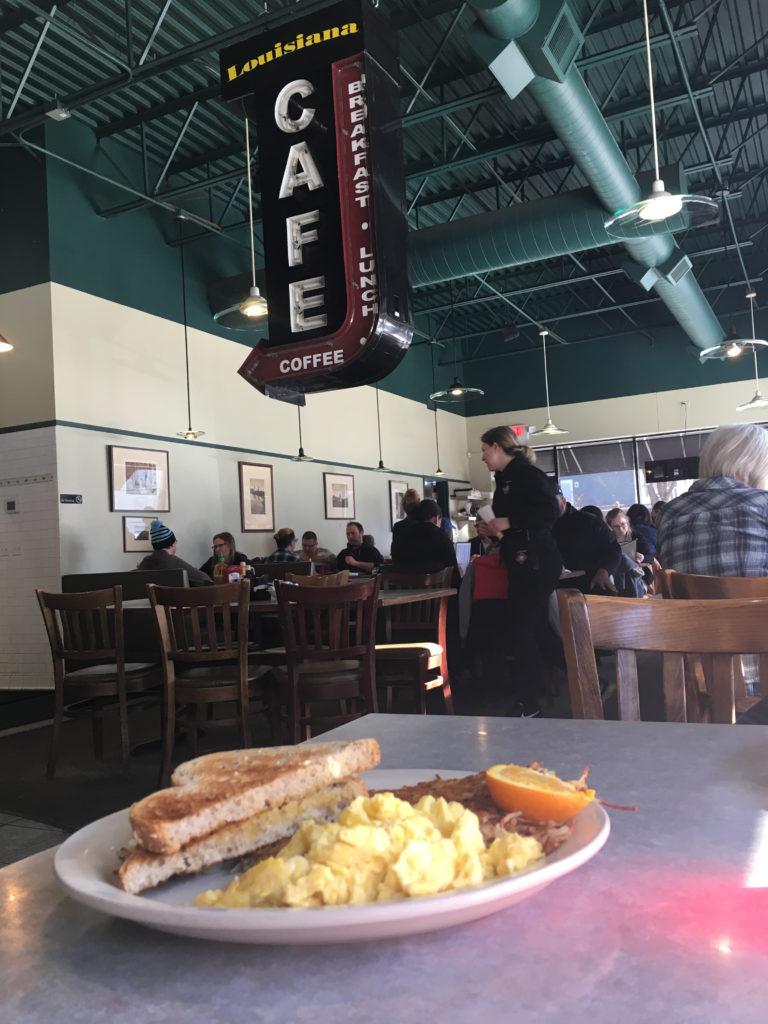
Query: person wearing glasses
[(223, 545)]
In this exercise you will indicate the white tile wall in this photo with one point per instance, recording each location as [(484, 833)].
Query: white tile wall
[(29, 555)]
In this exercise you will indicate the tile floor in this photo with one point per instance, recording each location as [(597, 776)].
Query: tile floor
[(21, 837)]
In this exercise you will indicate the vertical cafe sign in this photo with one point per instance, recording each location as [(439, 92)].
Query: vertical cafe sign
[(323, 91)]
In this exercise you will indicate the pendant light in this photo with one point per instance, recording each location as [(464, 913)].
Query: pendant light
[(381, 468), (189, 434), (301, 457), (661, 211), (457, 392), (549, 427), (5, 345), (735, 345), (756, 401), (244, 315)]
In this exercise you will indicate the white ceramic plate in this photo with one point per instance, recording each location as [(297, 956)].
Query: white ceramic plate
[(85, 865)]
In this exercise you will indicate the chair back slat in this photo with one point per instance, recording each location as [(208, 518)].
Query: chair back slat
[(84, 627), (673, 684), (704, 588), (715, 631), (329, 579), (195, 624), (627, 687)]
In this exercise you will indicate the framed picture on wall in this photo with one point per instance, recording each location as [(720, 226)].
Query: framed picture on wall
[(397, 489), (136, 533), (339, 496), (257, 503), (138, 480)]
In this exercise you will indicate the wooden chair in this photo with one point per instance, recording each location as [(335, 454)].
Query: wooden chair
[(203, 635), (87, 630), (329, 636), (330, 579), (715, 588), (281, 570), (419, 665), (675, 628)]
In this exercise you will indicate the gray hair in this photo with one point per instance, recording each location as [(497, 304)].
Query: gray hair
[(738, 451)]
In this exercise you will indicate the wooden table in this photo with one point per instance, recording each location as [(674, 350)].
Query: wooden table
[(668, 923), (387, 599)]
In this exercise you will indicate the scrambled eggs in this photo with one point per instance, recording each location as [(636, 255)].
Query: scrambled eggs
[(380, 848)]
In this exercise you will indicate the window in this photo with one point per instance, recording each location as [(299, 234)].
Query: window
[(598, 474), (545, 460)]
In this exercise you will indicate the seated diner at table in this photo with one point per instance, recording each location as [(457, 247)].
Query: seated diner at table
[(164, 555), (421, 546), (358, 555), (224, 553), (312, 552), (285, 542), (720, 526)]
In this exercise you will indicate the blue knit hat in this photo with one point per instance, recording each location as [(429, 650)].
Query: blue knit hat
[(160, 535)]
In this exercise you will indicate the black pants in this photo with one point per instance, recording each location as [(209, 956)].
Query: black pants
[(529, 590)]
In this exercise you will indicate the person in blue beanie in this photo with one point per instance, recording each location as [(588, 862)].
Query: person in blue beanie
[(164, 555)]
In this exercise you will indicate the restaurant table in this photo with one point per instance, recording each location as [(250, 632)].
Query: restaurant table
[(659, 927), (387, 599)]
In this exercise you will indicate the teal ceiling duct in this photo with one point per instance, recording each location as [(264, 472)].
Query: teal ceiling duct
[(526, 233), (514, 55)]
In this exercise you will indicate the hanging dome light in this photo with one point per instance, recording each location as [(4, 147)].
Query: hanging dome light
[(731, 348), (381, 468), (242, 316), (662, 211), (457, 392), (5, 345), (756, 401), (549, 427)]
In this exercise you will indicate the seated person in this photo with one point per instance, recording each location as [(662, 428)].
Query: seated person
[(164, 555), (586, 544), (285, 541), (223, 546), (656, 511), (720, 526), (312, 552), (357, 555), (481, 545), (411, 499), (640, 521), (593, 510), (369, 539), (421, 546), (623, 532)]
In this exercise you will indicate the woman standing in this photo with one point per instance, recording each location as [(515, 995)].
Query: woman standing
[(525, 509)]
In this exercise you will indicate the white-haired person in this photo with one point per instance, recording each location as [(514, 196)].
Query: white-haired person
[(720, 527)]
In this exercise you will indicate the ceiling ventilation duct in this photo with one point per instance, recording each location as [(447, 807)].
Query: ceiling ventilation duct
[(532, 44)]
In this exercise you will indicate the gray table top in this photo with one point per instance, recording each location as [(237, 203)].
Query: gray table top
[(660, 926)]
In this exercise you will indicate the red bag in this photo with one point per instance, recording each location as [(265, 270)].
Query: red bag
[(491, 580)]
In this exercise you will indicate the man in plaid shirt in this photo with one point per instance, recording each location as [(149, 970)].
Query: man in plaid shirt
[(285, 539), (720, 527)]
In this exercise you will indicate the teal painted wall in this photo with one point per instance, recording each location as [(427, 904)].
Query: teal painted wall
[(630, 364), (23, 219), (125, 258)]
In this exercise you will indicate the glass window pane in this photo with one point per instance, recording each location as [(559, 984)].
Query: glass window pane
[(597, 474), (545, 460)]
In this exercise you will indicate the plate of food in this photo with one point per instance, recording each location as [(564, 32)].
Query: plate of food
[(314, 844)]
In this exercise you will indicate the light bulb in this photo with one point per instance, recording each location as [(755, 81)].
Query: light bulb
[(5, 346), (734, 350), (255, 305), (661, 204), (456, 392)]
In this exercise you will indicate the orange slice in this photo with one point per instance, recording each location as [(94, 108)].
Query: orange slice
[(540, 797)]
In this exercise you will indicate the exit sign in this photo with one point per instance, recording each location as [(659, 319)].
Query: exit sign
[(519, 429)]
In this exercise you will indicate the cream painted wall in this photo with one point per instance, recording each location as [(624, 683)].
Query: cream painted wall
[(123, 369), (26, 373), (204, 499), (652, 413)]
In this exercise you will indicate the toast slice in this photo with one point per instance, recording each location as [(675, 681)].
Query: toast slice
[(142, 870), (219, 789)]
